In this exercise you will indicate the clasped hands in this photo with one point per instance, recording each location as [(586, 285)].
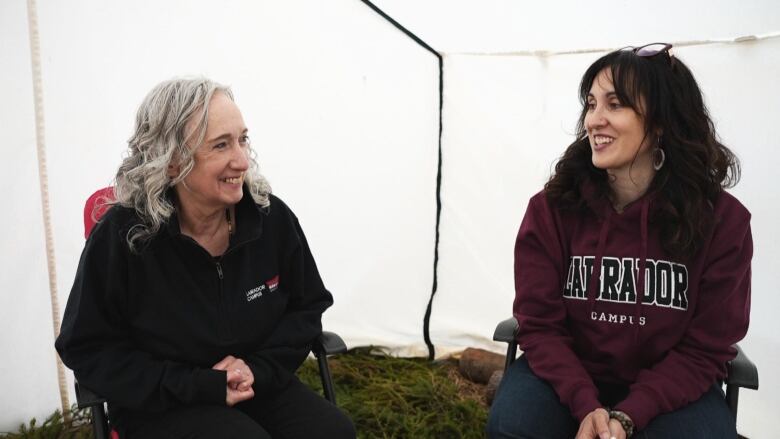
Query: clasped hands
[(239, 380), (598, 425)]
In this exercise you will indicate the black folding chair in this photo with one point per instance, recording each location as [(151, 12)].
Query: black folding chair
[(328, 343), (741, 371)]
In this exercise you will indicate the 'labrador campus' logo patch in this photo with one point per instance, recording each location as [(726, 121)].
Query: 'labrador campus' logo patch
[(665, 286), (666, 283), (268, 287)]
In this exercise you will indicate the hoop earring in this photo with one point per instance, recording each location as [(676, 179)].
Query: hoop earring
[(659, 157)]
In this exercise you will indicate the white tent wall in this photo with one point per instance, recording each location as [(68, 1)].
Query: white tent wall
[(28, 377), (744, 100), (506, 121), (505, 26), (343, 114)]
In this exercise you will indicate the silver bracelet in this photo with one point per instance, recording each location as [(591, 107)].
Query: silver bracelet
[(625, 421)]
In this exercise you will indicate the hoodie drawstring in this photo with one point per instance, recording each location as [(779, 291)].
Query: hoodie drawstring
[(592, 292), (642, 267), (641, 290)]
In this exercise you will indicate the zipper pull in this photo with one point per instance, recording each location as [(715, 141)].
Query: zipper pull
[(219, 270)]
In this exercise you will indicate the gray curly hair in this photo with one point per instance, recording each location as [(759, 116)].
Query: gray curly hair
[(160, 137)]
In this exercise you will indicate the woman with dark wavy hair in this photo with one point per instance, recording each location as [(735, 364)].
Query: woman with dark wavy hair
[(632, 267)]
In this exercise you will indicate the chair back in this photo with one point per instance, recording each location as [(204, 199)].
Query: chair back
[(97, 204)]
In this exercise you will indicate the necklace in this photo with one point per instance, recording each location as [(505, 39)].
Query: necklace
[(229, 222)]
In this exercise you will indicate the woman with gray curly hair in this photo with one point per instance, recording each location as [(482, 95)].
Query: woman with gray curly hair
[(196, 296)]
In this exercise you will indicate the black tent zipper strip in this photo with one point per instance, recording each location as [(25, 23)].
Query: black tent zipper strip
[(428, 310)]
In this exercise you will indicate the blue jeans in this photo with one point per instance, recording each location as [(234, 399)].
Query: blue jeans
[(527, 407)]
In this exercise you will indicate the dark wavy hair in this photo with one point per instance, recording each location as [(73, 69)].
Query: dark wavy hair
[(697, 167)]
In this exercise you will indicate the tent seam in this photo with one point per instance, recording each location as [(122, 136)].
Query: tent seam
[(434, 287)]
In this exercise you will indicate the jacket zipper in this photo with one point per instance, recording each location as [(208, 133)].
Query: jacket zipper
[(223, 321), (223, 325)]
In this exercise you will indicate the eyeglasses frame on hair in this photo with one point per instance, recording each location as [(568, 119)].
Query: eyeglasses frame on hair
[(645, 52)]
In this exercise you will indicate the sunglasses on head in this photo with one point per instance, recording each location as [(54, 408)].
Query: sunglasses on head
[(651, 50)]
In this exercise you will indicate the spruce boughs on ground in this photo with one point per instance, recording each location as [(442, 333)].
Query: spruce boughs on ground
[(390, 397), (387, 397), (55, 427)]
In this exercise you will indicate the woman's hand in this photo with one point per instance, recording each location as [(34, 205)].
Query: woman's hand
[(597, 425), (234, 393), (616, 429), (239, 379)]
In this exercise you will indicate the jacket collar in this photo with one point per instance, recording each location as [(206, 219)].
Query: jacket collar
[(249, 218)]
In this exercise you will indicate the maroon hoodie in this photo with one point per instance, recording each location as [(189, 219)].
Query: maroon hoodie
[(671, 345)]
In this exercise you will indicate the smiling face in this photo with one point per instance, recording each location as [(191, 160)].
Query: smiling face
[(220, 162), (617, 133)]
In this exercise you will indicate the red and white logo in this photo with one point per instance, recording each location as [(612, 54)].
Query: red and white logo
[(270, 286), (273, 283)]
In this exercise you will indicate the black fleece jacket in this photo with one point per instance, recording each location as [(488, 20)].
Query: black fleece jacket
[(144, 329)]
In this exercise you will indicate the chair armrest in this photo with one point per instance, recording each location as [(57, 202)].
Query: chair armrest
[(86, 397), (506, 331), (741, 371), (328, 343)]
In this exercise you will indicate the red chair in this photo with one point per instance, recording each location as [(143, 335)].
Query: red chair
[(97, 204), (327, 343)]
